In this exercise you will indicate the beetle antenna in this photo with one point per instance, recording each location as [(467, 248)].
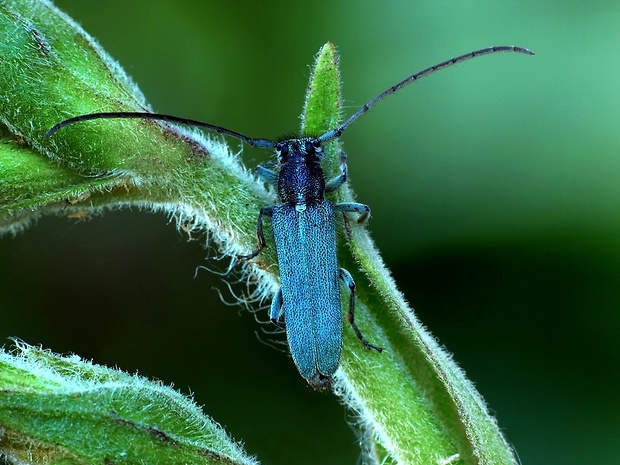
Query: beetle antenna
[(337, 132), (257, 143)]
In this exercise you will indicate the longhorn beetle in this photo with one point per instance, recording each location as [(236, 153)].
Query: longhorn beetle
[(304, 229)]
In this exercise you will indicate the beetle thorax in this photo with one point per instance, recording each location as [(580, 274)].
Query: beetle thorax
[(300, 179)]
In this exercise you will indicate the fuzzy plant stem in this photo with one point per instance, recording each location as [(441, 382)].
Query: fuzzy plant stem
[(413, 402)]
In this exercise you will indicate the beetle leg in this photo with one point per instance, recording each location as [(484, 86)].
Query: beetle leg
[(276, 313), (265, 211), (354, 207), (348, 280), (339, 180), (267, 174)]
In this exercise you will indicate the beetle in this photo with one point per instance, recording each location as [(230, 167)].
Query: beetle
[(304, 229)]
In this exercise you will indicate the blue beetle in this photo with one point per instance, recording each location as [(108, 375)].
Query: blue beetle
[(304, 230)]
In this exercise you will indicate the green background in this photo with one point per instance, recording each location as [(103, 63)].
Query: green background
[(495, 198)]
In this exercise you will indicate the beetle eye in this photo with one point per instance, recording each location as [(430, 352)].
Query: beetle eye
[(309, 146), (282, 149)]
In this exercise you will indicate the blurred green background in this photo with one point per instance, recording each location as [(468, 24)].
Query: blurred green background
[(495, 197)]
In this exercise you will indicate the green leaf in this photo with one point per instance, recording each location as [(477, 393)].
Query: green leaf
[(55, 70), (322, 105), (57, 409)]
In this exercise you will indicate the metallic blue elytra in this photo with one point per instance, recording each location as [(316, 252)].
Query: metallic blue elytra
[(304, 230), (310, 287)]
